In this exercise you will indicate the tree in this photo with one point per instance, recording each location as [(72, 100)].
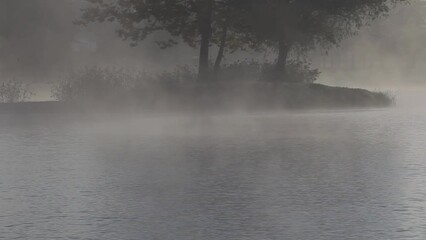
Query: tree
[(231, 30), (187, 20), (239, 24), (196, 22), (305, 24)]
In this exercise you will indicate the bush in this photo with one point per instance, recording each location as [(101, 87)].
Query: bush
[(178, 89), (179, 75), (295, 72), (117, 85), (93, 83), (104, 84), (13, 91), (251, 70), (246, 70)]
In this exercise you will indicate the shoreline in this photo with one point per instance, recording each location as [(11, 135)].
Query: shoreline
[(222, 97)]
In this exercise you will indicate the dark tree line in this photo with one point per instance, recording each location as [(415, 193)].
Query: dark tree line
[(285, 25)]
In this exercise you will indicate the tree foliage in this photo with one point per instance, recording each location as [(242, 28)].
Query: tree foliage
[(188, 20), (306, 24), (239, 24)]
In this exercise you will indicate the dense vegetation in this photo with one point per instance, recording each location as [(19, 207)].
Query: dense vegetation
[(104, 83), (180, 90), (12, 91)]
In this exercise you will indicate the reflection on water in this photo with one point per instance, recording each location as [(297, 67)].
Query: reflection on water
[(315, 175)]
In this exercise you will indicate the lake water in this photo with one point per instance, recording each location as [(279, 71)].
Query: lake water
[(357, 174)]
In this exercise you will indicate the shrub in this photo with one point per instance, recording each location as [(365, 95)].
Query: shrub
[(13, 91), (103, 84), (94, 83), (115, 84), (179, 75), (246, 70), (295, 72), (251, 70)]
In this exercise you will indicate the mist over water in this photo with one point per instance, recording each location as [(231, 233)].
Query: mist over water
[(182, 171), (301, 175)]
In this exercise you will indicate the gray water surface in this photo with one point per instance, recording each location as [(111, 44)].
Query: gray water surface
[(313, 175)]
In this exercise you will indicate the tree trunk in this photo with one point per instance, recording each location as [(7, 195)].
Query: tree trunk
[(203, 64), (283, 50), (221, 51), (205, 18)]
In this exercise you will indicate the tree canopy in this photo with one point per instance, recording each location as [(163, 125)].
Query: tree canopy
[(238, 24), (305, 24)]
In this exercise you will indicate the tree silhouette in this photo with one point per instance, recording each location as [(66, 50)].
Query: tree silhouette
[(187, 20), (238, 24), (305, 24)]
